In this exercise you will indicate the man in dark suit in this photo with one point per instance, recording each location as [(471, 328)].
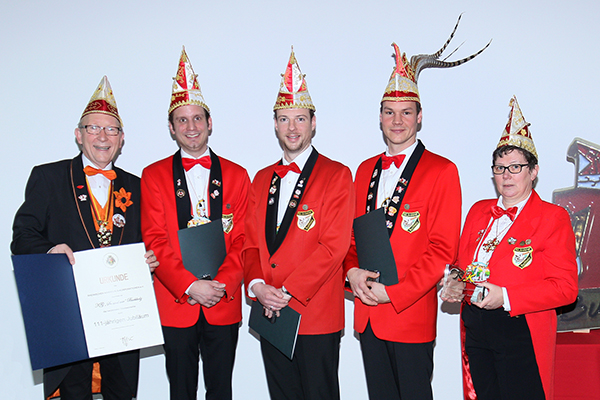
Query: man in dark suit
[(82, 204), (200, 317), (298, 229)]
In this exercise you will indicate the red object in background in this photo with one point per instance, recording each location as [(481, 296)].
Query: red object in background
[(583, 204), (577, 367), (582, 201)]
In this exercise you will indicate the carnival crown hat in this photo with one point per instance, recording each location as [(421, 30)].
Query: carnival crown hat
[(186, 89), (516, 133), (403, 82), (293, 92), (103, 101)]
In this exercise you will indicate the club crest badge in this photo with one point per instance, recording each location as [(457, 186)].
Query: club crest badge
[(411, 221), (227, 222), (522, 256), (180, 193), (306, 220), (82, 197)]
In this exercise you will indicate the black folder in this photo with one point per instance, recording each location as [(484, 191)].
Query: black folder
[(203, 249), (281, 333), (373, 246), (50, 309)]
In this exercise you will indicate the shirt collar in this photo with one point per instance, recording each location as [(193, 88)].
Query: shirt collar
[(519, 205), (407, 152), (184, 154), (86, 162), (300, 160)]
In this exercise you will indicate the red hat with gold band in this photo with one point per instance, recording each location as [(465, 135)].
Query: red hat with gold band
[(402, 85), (103, 101), (516, 133), (186, 89), (293, 92)]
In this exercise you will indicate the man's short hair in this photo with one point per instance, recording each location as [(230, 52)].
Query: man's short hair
[(311, 113), (504, 150), (206, 114), (418, 107)]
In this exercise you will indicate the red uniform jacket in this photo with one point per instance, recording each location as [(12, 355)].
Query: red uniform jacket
[(308, 263), (421, 256), (548, 282), (159, 230)]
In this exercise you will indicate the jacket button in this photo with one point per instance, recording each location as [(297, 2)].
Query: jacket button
[(176, 300), (273, 265)]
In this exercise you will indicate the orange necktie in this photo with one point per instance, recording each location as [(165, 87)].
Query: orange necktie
[(91, 171)]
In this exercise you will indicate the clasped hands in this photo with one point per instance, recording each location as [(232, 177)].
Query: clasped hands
[(271, 298), (206, 293), (365, 288)]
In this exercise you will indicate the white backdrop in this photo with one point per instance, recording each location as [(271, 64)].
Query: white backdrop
[(53, 54)]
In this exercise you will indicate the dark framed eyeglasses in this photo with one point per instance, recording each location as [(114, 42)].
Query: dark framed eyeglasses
[(513, 168)]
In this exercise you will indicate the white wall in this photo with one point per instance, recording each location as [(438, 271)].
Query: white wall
[(53, 54)]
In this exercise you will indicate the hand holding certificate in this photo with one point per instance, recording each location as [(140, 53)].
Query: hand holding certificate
[(101, 305)]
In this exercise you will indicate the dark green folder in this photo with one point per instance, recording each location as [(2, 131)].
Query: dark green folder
[(282, 333), (373, 246), (203, 249)]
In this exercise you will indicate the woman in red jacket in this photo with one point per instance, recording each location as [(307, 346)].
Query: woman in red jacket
[(518, 254)]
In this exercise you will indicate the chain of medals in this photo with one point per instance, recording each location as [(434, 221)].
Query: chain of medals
[(478, 271), (491, 244), (201, 215), (103, 217)]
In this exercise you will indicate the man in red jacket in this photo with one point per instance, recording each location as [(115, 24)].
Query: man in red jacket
[(298, 230), (420, 194), (200, 317)]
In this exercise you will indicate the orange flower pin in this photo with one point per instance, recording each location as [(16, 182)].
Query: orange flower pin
[(123, 199)]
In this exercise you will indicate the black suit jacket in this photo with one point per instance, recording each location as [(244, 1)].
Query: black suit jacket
[(57, 210)]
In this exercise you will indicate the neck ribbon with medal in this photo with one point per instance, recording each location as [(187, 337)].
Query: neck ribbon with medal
[(478, 272), (190, 214), (103, 217), (392, 205)]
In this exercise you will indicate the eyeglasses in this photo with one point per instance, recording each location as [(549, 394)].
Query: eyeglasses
[(108, 130), (513, 168)]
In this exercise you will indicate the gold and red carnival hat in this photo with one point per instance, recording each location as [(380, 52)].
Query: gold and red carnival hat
[(402, 85), (186, 89), (293, 92), (103, 101), (516, 133)]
